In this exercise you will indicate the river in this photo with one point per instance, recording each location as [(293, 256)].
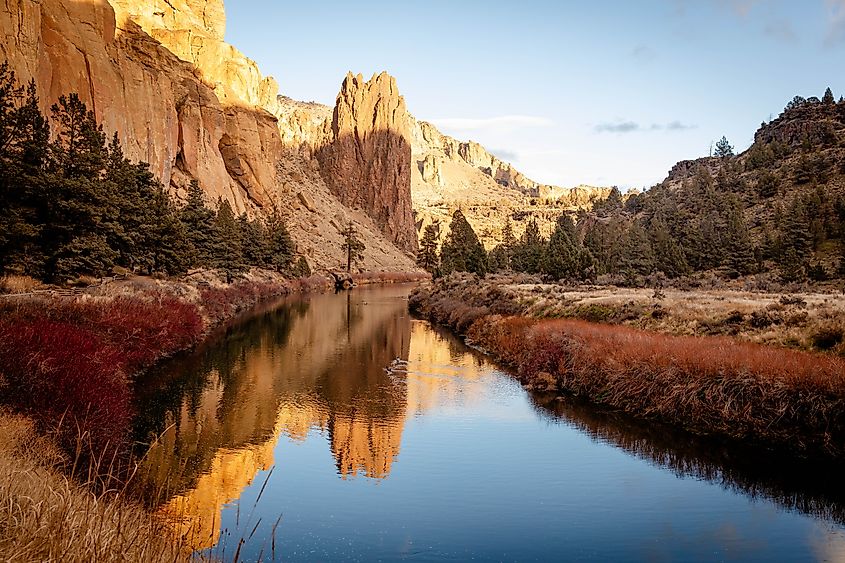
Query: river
[(338, 427)]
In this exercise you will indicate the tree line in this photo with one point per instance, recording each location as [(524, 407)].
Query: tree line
[(775, 210), (74, 205)]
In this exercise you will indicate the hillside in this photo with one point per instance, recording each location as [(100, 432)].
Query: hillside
[(776, 208)]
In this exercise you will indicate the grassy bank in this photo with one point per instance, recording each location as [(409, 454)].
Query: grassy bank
[(706, 384), (67, 358), (44, 516)]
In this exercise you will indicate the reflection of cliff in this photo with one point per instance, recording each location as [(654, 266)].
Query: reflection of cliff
[(806, 486), (315, 364)]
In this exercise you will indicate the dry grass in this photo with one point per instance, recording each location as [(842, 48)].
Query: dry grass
[(707, 384), (809, 321), (44, 516), (19, 284)]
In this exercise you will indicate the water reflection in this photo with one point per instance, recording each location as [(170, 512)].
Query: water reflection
[(356, 370), (807, 486)]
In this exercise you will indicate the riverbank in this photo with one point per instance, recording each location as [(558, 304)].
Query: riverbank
[(711, 385), (68, 358)]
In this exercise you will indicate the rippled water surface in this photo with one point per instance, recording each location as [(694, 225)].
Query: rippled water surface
[(337, 427)]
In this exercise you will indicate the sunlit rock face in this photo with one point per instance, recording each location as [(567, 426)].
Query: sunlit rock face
[(159, 73)]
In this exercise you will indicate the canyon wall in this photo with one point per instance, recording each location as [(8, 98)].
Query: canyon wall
[(160, 74)]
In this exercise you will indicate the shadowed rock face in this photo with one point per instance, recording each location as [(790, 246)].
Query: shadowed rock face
[(367, 159)]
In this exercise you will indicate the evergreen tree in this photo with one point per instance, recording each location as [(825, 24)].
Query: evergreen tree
[(828, 97), (723, 148), (427, 258), (740, 256), (528, 252), (165, 242), (508, 244), (255, 241), (669, 257), (230, 255), (200, 230), (281, 246), (352, 246), (637, 256), (24, 144), (462, 251), (561, 257)]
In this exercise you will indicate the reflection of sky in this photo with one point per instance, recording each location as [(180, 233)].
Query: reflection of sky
[(480, 473), (447, 461)]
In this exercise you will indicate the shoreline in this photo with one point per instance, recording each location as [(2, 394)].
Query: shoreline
[(70, 360), (709, 385)]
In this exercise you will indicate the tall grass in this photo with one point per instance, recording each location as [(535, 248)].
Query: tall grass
[(709, 385), (46, 517)]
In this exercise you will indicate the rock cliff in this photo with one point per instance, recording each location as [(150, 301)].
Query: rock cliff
[(159, 73), (449, 174), (367, 159)]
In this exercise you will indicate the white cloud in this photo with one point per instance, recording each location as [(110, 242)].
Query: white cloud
[(500, 123)]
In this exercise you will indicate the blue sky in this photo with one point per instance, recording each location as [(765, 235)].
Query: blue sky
[(601, 92)]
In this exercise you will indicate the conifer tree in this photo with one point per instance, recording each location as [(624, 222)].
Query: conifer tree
[(637, 256), (828, 96), (427, 257), (280, 245), (561, 255), (528, 252), (723, 148), (229, 256), (740, 255), (352, 245), (462, 251), (200, 230)]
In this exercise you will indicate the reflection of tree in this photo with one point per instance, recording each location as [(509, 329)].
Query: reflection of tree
[(812, 487)]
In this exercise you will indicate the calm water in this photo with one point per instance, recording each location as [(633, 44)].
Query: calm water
[(337, 427)]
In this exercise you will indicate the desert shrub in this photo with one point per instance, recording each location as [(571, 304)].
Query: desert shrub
[(593, 312), (827, 336), (19, 284), (68, 379)]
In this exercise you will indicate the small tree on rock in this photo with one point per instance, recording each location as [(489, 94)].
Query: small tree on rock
[(723, 148), (352, 245)]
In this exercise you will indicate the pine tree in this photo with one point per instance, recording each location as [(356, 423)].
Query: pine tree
[(165, 241), (352, 246), (280, 245), (24, 145), (828, 97), (462, 251), (199, 223), (723, 148), (255, 242), (528, 252), (637, 256), (229, 256), (669, 257), (561, 256), (427, 257), (740, 256)]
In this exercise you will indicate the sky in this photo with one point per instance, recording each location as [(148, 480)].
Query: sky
[(590, 92)]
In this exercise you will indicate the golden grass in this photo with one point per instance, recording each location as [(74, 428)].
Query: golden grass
[(44, 516), (19, 284)]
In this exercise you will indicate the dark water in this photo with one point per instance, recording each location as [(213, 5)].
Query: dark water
[(337, 427)]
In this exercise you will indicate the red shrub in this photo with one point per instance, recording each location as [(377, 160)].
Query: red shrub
[(68, 379)]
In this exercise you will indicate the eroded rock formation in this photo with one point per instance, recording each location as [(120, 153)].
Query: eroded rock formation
[(367, 159)]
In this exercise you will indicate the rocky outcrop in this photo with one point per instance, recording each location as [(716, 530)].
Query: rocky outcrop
[(159, 73), (430, 170), (367, 158)]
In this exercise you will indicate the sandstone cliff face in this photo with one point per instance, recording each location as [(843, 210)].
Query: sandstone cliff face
[(159, 73), (367, 160)]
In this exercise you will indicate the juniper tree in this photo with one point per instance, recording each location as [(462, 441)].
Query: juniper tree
[(228, 254), (352, 245), (561, 254), (280, 244), (462, 251), (828, 96), (427, 257)]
